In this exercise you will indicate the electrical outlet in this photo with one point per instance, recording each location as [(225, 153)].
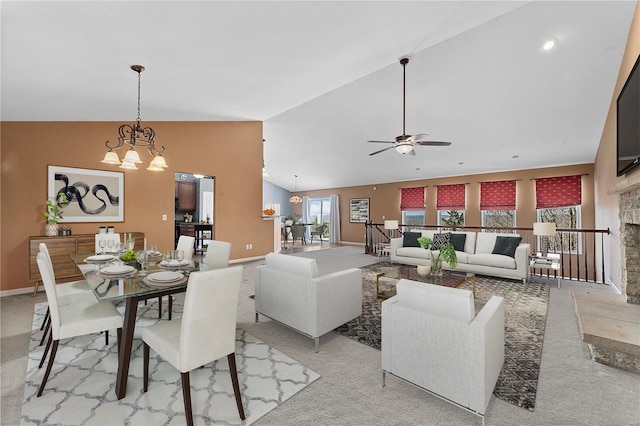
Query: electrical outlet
[(250, 246), (164, 217)]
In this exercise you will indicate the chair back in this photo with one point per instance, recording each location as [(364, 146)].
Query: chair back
[(208, 330), (45, 250), (218, 253), (50, 288), (185, 243), (297, 231)]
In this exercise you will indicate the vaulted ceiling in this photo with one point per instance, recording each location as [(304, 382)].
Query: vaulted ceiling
[(325, 78)]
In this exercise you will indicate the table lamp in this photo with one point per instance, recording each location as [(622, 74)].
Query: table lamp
[(391, 225), (544, 230)]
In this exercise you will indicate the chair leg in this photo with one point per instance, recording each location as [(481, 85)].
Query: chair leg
[(170, 306), (186, 396), (46, 331), (159, 307), (145, 367), (46, 348), (106, 337), (54, 349), (119, 334), (44, 321), (234, 380)]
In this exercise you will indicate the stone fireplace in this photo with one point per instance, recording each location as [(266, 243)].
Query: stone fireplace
[(629, 203)]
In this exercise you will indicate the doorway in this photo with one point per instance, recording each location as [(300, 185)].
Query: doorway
[(194, 208), (320, 213)]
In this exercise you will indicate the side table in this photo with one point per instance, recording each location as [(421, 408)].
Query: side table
[(383, 249), (550, 262)]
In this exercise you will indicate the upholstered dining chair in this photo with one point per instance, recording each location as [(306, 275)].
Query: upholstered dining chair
[(74, 319), (298, 231), (68, 292), (205, 332), (218, 253), (318, 231), (186, 244)]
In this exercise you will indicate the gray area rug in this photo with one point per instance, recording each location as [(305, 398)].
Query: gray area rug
[(81, 386), (525, 318)]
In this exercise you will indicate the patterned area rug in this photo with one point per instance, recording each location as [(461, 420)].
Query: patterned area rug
[(81, 387), (525, 318)]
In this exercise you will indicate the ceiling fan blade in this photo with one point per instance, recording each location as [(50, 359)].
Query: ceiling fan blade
[(433, 143), (382, 150), (381, 141), (419, 136), (412, 152)]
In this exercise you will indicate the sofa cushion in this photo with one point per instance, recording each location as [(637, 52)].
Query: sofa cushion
[(439, 240), (458, 240), (494, 260), (294, 265), (447, 302), (486, 241), (506, 245), (411, 239), (462, 257), (415, 252)]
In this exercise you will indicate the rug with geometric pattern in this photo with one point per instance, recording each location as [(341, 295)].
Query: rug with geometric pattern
[(81, 386), (525, 319)]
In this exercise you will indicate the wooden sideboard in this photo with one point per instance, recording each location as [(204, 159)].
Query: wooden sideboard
[(61, 248)]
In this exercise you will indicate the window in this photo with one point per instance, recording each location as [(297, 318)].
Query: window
[(320, 212), (450, 217), (498, 204), (412, 206), (499, 218), (564, 218)]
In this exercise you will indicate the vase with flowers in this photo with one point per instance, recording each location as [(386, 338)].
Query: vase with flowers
[(439, 251), (53, 214)]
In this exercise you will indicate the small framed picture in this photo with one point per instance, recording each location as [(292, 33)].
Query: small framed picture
[(93, 195), (358, 210)]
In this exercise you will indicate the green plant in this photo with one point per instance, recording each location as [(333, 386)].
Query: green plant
[(54, 210), (456, 217), (447, 252)]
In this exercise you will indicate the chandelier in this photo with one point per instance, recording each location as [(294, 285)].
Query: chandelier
[(295, 199), (133, 136)]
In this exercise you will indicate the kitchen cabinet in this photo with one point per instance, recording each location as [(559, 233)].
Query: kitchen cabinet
[(185, 196)]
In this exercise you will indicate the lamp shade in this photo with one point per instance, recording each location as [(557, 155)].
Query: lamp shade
[(132, 156), (158, 161), (128, 165), (111, 158), (544, 229), (390, 224)]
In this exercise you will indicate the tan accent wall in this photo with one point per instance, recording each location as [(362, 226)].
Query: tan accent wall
[(605, 164), (229, 151), (384, 199)]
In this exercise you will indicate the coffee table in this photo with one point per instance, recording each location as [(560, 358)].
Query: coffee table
[(453, 279)]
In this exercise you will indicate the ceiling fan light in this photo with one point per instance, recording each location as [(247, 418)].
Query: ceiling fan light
[(132, 156), (404, 148), (111, 158)]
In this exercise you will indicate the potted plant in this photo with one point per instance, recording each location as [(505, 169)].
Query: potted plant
[(446, 253), (54, 214)]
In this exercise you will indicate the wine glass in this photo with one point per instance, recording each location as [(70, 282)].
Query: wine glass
[(179, 255), (141, 257), (110, 244), (102, 244)]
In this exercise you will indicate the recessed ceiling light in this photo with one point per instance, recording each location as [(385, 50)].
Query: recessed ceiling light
[(550, 43), (515, 156), (417, 168), (460, 163)]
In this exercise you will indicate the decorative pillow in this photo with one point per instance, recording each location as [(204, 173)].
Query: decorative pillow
[(506, 245), (439, 240), (458, 240), (411, 239)]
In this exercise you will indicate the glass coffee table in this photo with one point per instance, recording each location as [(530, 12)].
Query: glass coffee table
[(453, 279)]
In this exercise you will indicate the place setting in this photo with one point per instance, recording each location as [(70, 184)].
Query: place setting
[(164, 279), (100, 258), (117, 271), (173, 259)]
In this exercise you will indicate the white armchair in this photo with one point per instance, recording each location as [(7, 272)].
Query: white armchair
[(289, 290), (431, 339)]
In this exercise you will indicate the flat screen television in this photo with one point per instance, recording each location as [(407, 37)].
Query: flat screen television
[(628, 123)]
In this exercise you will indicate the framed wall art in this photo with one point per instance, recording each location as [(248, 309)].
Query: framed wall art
[(358, 210), (93, 195)]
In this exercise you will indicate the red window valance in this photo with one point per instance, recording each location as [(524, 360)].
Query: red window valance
[(412, 198), (451, 197), (561, 191), (500, 195)]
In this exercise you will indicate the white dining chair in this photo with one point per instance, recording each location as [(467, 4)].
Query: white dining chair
[(185, 243), (74, 319), (69, 292), (218, 253), (205, 333)]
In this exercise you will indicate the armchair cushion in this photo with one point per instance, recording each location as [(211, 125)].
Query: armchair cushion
[(299, 266), (446, 302)]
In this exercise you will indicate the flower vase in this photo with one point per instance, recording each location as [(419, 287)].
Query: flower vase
[(51, 230), (436, 267)]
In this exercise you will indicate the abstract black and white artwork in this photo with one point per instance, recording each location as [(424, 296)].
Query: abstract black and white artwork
[(93, 195)]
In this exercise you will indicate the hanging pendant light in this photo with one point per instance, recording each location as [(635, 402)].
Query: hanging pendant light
[(134, 136), (295, 199)]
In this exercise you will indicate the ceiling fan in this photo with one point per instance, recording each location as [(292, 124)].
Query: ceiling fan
[(404, 144)]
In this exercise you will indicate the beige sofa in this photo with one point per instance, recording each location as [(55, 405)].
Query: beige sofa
[(476, 257)]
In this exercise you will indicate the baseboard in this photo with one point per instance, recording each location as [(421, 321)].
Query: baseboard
[(613, 286), (351, 243), (247, 259), (17, 291)]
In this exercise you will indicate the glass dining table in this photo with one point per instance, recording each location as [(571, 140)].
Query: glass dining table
[(129, 287)]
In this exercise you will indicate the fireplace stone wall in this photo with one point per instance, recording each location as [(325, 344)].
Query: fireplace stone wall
[(630, 244)]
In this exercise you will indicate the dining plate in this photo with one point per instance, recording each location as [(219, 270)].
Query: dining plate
[(152, 283), (165, 276), (174, 263), (117, 269), (100, 258)]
